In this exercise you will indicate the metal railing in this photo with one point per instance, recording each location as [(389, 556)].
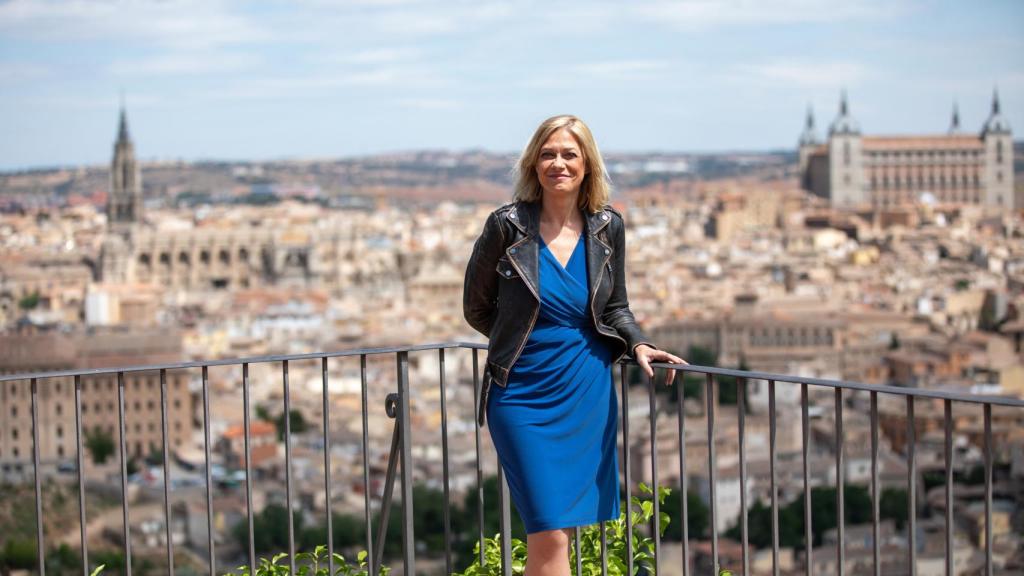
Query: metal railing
[(400, 458)]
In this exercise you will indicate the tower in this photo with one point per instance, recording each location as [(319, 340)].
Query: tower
[(954, 123), (998, 143), (808, 141), (124, 202), (845, 159)]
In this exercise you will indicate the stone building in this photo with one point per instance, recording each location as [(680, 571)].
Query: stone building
[(853, 170), (55, 405), (195, 258)]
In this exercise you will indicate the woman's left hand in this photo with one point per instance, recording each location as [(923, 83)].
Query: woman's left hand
[(644, 355)]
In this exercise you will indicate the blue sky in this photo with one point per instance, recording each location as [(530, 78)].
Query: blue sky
[(213, 79)]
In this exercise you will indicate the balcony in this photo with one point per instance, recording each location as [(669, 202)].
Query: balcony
[(829, 414)]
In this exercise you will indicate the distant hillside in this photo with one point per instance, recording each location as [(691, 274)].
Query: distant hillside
[(419, 175)]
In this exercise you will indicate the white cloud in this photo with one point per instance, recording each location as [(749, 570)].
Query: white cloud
[(185, 63), (813, 75), (430, 103), (13, 72), (622, 69), (695, 14)]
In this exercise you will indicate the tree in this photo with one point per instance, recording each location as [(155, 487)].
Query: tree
[(29, 302), (270, 529), (696, 514), (100, 445), (894, 506)]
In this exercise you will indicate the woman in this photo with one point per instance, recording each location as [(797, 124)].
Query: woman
[(546, 285)]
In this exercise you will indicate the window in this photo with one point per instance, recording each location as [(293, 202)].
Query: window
[(60, 431), (14, 411), (60, 409), (60, 451), (846, 153), (14, 433), (999, 152)]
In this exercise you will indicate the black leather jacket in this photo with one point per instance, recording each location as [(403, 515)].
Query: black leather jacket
[(501, 297)]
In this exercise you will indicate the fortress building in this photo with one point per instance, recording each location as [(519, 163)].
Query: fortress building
[(852, 170)]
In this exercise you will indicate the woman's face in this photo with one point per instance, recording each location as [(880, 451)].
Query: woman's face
[(560, 166)]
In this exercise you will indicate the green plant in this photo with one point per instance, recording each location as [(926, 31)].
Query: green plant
[(313, 563), (641, 512)]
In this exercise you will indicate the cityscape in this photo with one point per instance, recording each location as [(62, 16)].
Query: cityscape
[(221, 261), (231, 300)]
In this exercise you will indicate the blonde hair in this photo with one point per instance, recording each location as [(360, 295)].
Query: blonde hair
[(595, 188)]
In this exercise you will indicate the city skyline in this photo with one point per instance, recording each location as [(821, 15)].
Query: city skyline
[(267, 81)]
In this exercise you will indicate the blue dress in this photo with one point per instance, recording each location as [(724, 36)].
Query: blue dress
[(554, 426)]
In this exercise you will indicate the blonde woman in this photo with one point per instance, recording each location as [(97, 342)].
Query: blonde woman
[(546, 284)]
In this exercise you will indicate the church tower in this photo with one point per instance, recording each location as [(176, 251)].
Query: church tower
[(845, 162), (998, 142), (808, 142), (124, 202)]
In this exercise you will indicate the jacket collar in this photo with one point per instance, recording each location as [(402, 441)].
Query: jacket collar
[(526, 217)]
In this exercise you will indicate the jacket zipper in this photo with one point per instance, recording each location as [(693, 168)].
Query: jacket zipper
[(533, 318), (597, 325)]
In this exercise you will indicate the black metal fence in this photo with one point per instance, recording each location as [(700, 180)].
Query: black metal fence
[(397, 407)]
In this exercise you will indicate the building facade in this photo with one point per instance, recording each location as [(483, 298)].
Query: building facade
[(852, 170), (98, 394)]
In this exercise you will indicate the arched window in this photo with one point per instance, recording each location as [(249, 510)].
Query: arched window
[(846, 153), (999, 152)]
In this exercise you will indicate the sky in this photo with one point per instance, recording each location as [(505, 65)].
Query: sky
[(290, 79)]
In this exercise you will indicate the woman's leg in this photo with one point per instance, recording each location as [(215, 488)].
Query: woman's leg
[(547, 553)]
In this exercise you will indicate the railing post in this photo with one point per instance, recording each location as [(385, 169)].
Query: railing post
[(876, 496), (40, 543), (248, 467), (479, 469), (444, 464), (911, 489), (655, 519), (806, 430), (408, 537), (741, 414), (167, 471), (505, 523), (374, 567), (288, 464), (840, 487), (712, 466), (327, 467), (81, 473), (625, 467), (683, 492), (209, 483), (124, 475)]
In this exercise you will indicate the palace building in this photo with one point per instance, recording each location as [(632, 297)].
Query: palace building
[(853, 170)]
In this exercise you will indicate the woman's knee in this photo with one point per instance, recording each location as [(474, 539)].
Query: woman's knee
[(548, 539)]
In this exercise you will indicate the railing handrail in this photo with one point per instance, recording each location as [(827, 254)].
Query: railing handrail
[(748, 374)]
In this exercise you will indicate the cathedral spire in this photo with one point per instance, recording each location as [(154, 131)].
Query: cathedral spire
[(844, 123), (124, 202), (808, 137), (954, 124), (996, 123)]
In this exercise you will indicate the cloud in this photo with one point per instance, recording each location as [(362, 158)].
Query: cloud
[(185, 63), (622, 69), (179, 24), (430, 103), (16, 72), (697, 14), (813, 75)]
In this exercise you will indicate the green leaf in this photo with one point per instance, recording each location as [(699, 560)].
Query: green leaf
[(98, 569)]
